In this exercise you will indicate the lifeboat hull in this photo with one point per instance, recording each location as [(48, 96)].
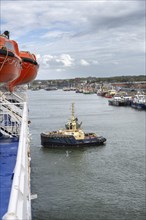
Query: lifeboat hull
[(10, 66), (28, 72)]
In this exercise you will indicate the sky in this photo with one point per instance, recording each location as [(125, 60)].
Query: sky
[(71, 39)]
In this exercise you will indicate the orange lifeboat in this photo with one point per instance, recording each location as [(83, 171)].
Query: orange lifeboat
[(10, 62), (29, 70)]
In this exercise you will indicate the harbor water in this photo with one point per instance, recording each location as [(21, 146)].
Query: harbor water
[(95, 183)]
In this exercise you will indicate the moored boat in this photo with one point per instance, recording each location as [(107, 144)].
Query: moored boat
[(102, 91), (28, 72), (72, 136), (66, 89), (88, 91), (10, 62), (120, 100), (139, 101), (110, 93)]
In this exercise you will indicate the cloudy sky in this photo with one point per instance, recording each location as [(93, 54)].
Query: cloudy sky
[(79, 38)]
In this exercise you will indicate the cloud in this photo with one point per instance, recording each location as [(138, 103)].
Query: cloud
[(66, 60), (69, 36), (84, 62), (55, 62)]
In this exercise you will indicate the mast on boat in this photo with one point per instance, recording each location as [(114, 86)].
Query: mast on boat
[(73, 122)]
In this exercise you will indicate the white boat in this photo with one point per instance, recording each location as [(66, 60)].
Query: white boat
[(139, 101)]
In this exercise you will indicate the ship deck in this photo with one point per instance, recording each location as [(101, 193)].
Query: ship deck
[(8, 154)]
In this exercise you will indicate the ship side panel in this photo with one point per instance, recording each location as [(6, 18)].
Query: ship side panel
[(8, 153)]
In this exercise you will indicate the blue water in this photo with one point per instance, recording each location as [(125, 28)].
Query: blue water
[(98, 183)]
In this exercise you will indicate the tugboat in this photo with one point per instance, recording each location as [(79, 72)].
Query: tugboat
[(72, 136)]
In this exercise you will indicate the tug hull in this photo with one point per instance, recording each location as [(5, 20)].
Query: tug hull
[(70, 141)]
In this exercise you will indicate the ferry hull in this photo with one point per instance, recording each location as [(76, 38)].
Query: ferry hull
[(15, 202)]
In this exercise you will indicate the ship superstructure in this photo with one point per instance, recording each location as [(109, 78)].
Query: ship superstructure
[(15, 190)]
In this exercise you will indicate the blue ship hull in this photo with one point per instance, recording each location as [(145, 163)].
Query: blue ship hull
[(8, 154), (140, 106)]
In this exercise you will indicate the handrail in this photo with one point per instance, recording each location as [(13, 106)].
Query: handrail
[(20, 98), (11, 117), (19, 203)]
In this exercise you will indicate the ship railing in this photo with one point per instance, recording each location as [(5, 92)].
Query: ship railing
[(20, 93), (11, 131), (9, 110), (20, 202), (12, 106), (10, 119)]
